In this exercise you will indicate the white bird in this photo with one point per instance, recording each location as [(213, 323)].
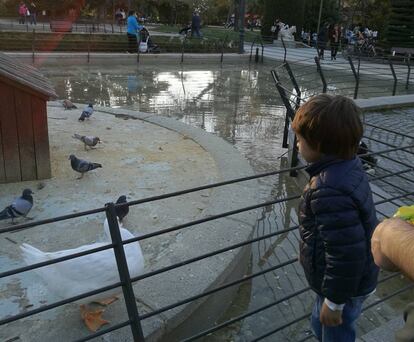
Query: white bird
[(86, 273)]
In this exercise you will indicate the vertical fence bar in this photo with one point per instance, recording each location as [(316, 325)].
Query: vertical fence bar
[(33, 45), (124, 276), (408, 61), (89, 46), (319, 69), (394, 89), (295, 84), (182, 49), (262, 51), (139, 42), (284, 47), (251, 50), (290, 114), (293, 156), (351, 63), (222, 52), (282, 91)]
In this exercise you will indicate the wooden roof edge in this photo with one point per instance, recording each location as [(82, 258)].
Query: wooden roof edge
[(49, 93), (26, 74)]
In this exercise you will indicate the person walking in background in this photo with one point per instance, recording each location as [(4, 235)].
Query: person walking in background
[(275, 28), (334, 39), (392, 246), (33, 12), (133, 28), (336, 215), (123, 16), (195, 25), (118, 16), (22, 13), (322, 40)]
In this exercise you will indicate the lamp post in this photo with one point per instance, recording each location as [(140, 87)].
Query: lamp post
[(241, 25), (320, 14)]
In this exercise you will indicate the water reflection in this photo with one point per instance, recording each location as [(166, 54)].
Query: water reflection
[(238, 103)]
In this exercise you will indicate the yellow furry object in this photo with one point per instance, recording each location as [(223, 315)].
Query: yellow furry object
[(406, 213)]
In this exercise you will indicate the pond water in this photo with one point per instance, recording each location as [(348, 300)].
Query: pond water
[(240, 104)]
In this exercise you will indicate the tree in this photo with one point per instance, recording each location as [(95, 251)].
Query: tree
[(290, 12), (371, 13), (330, 13), (401, 24)]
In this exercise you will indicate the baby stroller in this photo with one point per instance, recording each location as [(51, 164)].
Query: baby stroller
[(146, 44), (186, 30)]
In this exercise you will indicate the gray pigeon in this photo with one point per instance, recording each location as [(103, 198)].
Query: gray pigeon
[(122, 210), (88, 140), (68, 104), (87, 112), (20, 206), (82, 166)]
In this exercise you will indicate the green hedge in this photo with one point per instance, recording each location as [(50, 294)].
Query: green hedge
[(76, 42)]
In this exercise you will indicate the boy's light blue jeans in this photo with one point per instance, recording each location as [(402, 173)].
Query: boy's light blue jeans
[(341, 333)]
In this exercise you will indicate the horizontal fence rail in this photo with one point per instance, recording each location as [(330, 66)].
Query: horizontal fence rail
[(293, 95), (126, 282), (393, 147)]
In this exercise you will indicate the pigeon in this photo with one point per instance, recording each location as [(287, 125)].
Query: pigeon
[(87, 112), (68, 104), (88, 140), (82, 166), (20, 206), (367, 161), (123, 210)]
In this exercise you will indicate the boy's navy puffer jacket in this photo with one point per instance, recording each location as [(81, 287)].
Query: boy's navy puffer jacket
[(337, 219)]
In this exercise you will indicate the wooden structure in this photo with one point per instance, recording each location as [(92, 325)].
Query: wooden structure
[(24, 140)]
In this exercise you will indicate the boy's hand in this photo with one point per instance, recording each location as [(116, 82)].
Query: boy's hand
[(330, 318)]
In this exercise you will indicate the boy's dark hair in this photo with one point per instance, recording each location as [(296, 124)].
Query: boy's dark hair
[(330, 125)]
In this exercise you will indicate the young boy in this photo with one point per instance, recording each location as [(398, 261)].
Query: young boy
[(336, 215)]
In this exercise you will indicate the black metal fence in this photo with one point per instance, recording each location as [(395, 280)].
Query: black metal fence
[(88, 42), (395, 147), (402, 169)]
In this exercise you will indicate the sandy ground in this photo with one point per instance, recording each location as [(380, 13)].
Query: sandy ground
[(139, 160)]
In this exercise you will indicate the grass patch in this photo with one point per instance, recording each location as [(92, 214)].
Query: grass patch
[(220, 33)]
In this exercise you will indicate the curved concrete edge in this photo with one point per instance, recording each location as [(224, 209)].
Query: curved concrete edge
[(385, 102), (199, 277), (81, 58)]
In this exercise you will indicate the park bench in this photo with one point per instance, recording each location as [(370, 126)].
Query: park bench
[(402, 51)]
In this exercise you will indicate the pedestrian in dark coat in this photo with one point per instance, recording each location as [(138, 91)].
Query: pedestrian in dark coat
[(336, 215), (334, 39), (195, 25), (322, 40)]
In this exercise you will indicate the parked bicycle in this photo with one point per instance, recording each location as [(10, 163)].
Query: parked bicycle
[(363, 48)]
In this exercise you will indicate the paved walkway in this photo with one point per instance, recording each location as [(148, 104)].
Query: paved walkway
[(306, 56)]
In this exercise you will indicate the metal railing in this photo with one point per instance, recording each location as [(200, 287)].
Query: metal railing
[(367, 77), (354, 76), (259, 42), (82, 25), (93, 42), (135, 318)]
